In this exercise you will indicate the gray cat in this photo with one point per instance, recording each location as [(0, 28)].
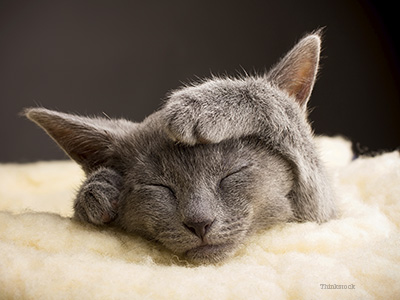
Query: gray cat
[(219, 161)]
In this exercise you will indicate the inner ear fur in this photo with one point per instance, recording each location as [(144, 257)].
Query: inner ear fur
[(296, 72)]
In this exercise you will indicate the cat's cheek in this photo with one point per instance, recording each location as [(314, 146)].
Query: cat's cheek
[(236, 197), (147, 211), (271, 206)]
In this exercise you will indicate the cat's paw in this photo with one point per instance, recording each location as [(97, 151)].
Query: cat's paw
[(190, 122), (98, 198)]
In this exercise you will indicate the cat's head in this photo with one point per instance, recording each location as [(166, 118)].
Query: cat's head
[(200, 201)]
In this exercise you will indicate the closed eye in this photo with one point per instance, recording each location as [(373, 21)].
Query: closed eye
[(165, 187), (233, 173)]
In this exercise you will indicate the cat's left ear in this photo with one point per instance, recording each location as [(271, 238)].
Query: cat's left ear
[(296, 72)]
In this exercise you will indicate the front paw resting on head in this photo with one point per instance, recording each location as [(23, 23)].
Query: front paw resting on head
[(191, 121), (186, 122), (98, 198)]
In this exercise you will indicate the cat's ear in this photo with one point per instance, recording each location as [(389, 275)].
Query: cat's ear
[(296, 72), (91, 142)]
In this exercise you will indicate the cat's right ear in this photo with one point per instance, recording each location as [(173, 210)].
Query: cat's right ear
[(296, 72), (91, 142)]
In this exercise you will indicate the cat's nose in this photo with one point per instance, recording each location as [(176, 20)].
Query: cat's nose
[(199, 228)]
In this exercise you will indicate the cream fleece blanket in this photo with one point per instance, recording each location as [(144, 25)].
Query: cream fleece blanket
[(46, 255)]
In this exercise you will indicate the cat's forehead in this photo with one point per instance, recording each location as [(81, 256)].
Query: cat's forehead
[(202, 160), (200, 155)]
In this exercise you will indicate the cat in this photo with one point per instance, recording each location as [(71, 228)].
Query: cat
[(220, 160)]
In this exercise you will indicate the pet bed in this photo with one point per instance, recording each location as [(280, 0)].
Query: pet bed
[(46, 255)]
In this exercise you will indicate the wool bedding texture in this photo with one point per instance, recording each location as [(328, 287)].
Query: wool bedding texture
[(46, 255)]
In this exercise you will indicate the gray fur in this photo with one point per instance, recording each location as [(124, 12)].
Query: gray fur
[(98, 199), (220, 160)]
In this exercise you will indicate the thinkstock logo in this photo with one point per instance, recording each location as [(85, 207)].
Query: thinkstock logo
[(325, 286)]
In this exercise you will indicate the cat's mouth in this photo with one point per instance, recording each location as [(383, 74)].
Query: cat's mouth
[(209, 253)]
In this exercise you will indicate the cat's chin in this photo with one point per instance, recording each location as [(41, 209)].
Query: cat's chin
[(206, 254)]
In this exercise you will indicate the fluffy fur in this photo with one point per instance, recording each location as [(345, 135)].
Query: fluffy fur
[(44, 254), (218, 162)]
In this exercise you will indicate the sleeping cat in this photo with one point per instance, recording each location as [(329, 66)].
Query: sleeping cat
[(219, 161)]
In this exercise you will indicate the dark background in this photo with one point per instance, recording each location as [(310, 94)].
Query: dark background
[(122, 57)]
